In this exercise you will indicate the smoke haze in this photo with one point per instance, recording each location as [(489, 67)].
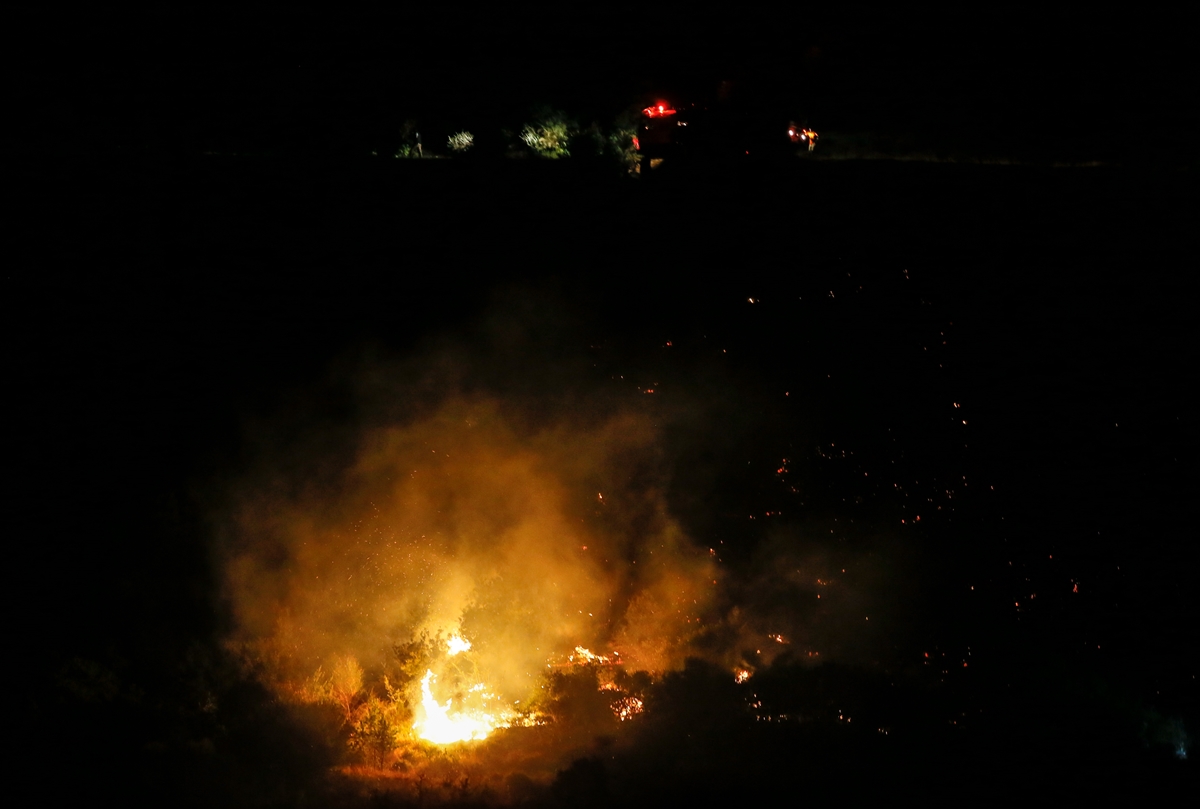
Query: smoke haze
[(529, 528)]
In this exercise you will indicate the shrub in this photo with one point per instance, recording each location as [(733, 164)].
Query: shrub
[(549, 134), (461, 141), (620, 144)]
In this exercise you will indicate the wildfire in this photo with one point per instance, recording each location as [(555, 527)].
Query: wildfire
[(441, 727), (627, 708), (461, 548), (474, 718), (584, 657)]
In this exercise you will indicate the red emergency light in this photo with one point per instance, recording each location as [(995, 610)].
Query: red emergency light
[(660, 110)]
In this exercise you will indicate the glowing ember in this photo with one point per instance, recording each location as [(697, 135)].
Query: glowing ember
[(627, 708), (440, 726), (455, 644), (741, 675)]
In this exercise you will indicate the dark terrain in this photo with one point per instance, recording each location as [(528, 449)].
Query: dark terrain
[(160, 311)]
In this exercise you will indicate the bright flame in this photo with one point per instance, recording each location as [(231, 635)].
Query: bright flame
[(741, 675), (440, 727), (584, 656), (455, 644)]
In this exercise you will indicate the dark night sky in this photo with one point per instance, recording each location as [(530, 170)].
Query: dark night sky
[(176, 79)]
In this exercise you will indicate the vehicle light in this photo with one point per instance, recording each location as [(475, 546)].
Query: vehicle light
[(660, 110)]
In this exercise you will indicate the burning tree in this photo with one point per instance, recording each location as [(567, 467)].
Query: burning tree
[(376, 731)]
